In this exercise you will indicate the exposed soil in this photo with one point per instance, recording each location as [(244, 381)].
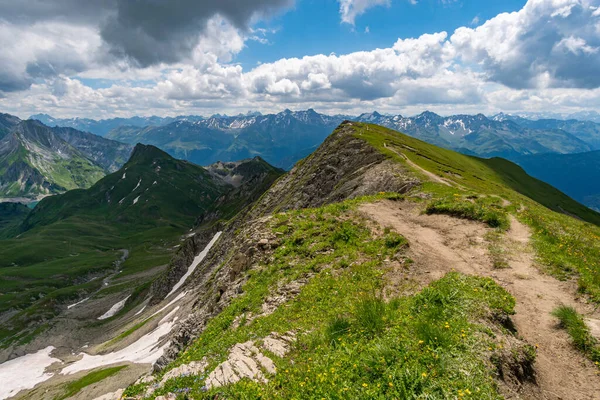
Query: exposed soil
[(439, 244), (430, 175)]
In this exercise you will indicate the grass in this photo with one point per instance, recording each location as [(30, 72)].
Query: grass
[(575, 326), (352, 343), (72, 388), (491, 215), (441, 342), (128, 332), (565, 234)]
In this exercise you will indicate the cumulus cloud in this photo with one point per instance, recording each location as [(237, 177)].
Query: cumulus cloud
[(137, 28), (43, 39), (350, 9), (546, 55), (44, 50), (548, 43), (363, 75)]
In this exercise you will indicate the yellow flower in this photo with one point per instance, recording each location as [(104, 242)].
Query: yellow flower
[(365, 385), (391, 384), (421, 342), (424, 374)]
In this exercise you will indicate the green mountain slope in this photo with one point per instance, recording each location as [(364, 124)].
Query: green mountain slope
[(11, 216), (574, 174), (36, 160), (360, 311), (124, 228)]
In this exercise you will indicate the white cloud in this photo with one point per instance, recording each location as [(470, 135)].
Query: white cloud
[(520, 48), (545, 56), (350, 9)]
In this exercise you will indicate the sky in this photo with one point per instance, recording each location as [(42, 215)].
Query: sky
[(109, 58)]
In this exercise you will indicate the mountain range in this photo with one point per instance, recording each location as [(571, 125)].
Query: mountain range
[(574, 174), (283, 138), (36, 160)]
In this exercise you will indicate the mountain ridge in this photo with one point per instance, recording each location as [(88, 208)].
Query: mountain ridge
[(36, 160)]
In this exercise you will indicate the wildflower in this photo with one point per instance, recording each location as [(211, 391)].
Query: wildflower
[(424, 374), (391, 384), (365, 385), (421, 342)]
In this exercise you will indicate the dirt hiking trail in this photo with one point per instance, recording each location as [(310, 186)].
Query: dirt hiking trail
[(440, 244)]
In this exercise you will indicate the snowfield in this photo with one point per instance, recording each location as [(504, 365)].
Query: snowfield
[(195, 263), (145, 350), (25, 372), (78, 303), (114, 309)]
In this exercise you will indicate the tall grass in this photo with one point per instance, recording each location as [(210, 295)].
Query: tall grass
[(573, 322)]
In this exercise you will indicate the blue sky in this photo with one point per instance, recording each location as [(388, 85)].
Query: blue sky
[(313, 26), (121, 58)]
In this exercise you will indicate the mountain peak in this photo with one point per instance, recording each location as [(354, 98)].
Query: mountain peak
[(428, 114), (145, 153)]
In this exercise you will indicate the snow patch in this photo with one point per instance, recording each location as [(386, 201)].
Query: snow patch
[(25, 372), (137, 186), (175, 300), (169, 315), (136, 200), (124, 175), (145, 350), (114, 309), (195, 263), (78, 303), (139, 312)]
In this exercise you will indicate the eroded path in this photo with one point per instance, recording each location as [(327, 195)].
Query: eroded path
[(439, 244)]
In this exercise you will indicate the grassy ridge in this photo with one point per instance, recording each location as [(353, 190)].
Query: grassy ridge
[(357, 341), (565, 233), (351, 342)]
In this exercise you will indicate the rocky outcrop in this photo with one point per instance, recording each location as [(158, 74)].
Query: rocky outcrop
[(343, 167), (180, 263), (245, 361)]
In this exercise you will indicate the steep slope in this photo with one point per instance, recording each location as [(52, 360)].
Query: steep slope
[(35, 161), (11, 215), (574, 174), (109, 242), (151, 189), (109, 154), (341, 289), (7, 123)]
